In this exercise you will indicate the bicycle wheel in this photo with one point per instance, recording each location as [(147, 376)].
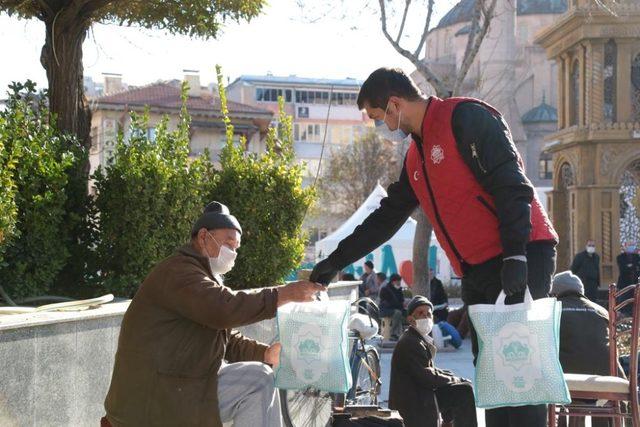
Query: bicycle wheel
[(367, 388), (308, 408)]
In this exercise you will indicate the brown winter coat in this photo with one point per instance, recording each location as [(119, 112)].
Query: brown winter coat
[(173, 338)]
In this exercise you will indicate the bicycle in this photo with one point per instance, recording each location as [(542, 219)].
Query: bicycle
[(312, 408)]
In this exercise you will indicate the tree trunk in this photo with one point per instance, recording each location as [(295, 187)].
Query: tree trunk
[(61, 57), (421, 241)]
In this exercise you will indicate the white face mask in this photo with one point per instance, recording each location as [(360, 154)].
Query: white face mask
[(384, 132), (225, 260), (397, 285), (424, 326), (591, 249)]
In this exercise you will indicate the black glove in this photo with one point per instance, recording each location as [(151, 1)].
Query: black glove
[(323, 272), (514, 276)]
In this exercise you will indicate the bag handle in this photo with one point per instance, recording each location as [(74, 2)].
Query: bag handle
[(528, 299)]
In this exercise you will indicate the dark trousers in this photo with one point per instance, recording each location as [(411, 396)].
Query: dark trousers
[(482, 285), (591, 289), (456, 403)]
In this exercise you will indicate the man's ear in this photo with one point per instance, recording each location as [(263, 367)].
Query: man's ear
[(411, 320)]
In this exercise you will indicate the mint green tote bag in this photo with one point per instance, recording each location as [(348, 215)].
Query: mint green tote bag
[(518, 362), (315, 345)]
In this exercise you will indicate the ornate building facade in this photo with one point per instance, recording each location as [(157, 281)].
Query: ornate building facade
[(596, 150)]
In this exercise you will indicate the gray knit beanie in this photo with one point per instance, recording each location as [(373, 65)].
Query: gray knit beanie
[(215, 215), (416, 302), (566, 282)]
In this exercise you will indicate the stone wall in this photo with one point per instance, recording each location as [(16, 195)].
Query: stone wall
[(56, 367)]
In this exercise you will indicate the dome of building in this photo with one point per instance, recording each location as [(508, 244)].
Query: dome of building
[(543, 113), (463, 11)]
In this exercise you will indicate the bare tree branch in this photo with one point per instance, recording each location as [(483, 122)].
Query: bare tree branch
[(404, 19), (429, 75), (425, 31), (475, 40)]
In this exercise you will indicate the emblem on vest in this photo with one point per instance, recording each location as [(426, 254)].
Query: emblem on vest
[(437, 154)]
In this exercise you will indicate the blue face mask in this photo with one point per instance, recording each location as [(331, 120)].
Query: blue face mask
[(384, 132)]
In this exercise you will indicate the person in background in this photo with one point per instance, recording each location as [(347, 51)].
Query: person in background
[(584, 333), (438, 298), (392, 304), (368, 279), (586, 265), (417, 388), (347, 277), (459, 318), (628, 266), (381, 280)]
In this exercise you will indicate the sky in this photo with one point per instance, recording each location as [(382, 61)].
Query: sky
[(309, 41)]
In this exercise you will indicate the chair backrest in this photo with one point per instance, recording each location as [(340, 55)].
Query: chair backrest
[(623, 327)]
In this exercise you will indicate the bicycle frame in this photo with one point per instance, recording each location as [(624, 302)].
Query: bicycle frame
[(357, 361)]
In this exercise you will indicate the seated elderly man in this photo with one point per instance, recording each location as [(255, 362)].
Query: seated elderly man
[(179, 361), (417, 388)]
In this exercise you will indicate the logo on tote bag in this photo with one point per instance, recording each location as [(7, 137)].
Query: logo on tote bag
[(308, 353), (516, 357)]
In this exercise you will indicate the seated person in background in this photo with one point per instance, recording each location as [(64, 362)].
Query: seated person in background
[(418, 390), (459, 318), (438, 298), (179, 360), (347, 277), (381, 280), (392, 304), (584, 333)]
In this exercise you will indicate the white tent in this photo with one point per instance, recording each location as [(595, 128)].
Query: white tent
[(401, 243)]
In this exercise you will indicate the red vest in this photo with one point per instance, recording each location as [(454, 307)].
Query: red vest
[(462, 213)]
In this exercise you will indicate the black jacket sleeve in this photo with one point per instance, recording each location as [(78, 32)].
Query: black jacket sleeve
[(379, 226), (576, 265), (485, 143)]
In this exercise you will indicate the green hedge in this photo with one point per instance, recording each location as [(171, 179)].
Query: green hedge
[(37, 253), (264, 191), (148, 198)]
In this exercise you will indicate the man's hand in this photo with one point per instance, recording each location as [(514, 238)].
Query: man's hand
[(301, 291), (323, 272), (514, 276), (272, 354)]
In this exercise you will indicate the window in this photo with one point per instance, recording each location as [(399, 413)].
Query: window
[(609, 75), (312, 97), (575, 94), (545, 168), (270, 95), (151, 134), (635, 83), (287, 97)]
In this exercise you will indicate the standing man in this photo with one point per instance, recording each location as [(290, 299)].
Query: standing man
[(464, 171), (586, 265)]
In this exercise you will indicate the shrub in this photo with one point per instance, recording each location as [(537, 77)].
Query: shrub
[(148, 198), (41, 160), (264, 191), (8, 211)]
